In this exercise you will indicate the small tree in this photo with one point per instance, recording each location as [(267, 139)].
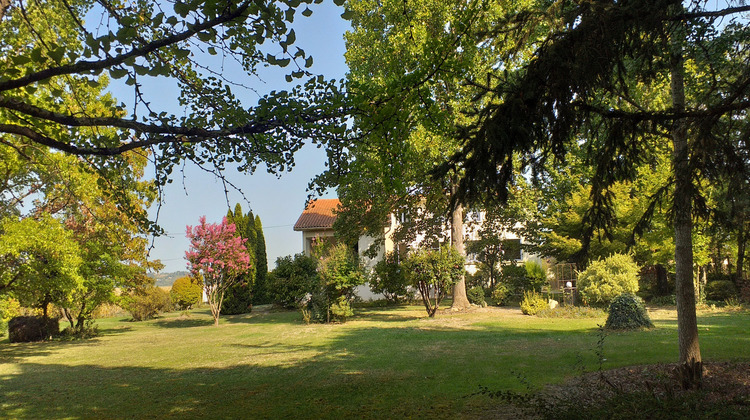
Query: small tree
[(604, 280), (339, 273), (293, 278), (219, 256), (185, 292), (389, 278), (433, 272)]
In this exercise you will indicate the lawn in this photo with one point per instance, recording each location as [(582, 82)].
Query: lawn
[(384, 363)]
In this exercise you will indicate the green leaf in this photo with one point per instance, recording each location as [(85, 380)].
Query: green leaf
[(140, 70), (181, 9), (291, 37), (339, 2), (307, 12), (283, 62), (20, 60), (211, 50), (347, 15), (205, 36), (309, 62), (117, 73), (288, 78)]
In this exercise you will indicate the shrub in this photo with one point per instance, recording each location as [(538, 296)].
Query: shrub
[(341, 309), (536, 275), (388, 278), (476, 295), (627, 312), (433, 272), (533, 303), (604, 280), (720, 290), (24, 329), (146, 304), (500, 294), (237, 299), (185, 292), (514, 276), (570, 311), (668, 300), (9, 309), (292, 279)]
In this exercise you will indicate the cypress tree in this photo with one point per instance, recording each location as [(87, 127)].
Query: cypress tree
[(260, 292), (238, 298)]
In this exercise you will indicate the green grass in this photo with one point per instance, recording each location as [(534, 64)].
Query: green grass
[(384, 363)]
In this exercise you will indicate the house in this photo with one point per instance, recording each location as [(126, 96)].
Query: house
[(316, 224)]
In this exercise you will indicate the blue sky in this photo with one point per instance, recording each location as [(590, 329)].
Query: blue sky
[(278, 201)]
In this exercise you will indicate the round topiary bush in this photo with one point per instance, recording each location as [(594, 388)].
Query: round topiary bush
[(627, 312), (185, 292), (476, 295), (604, 280), (720, 290)]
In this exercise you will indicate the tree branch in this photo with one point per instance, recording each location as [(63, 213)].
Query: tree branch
[(87, 66)]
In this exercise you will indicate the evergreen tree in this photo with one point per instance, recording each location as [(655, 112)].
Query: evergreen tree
[(260, 292), (238, 297)]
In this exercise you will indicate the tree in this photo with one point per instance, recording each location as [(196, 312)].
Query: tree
[(51, 52), (40, 262), (433, 272), (260, 288), (185, 292), (293, 278), (406, 62), (219, 256), (592, 80), (238, 298), (339, 272)]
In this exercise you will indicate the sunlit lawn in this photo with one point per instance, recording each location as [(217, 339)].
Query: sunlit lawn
[(385, 363)]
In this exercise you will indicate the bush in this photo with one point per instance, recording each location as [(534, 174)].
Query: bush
[(500, 294), (536, 275), (388, 278), (533, 303), (292, 280), (237, 299), (604, 280), (476, 295), (185, 292), (570, 311), (514, 276), (668, 300), (23, 329), (627, 312), (341, 309), (9, 309), (720, 290), (146, 304)]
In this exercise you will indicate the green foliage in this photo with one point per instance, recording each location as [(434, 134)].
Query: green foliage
[(572, 312), (9, 309), (626, 312), (720, 290), (500, 294), (292, 279), (476, 295), (147, 303), (40, 261), (603, 280), (260, 288), (433, 272), (32, 328), (185, 292), (341, 309), (536, 275), (668, 300), (533, 303), (389, 278)]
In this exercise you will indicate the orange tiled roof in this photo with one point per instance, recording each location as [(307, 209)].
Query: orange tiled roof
[(319, 214)]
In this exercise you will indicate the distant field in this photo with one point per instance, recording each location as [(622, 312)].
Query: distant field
[(385, 363)]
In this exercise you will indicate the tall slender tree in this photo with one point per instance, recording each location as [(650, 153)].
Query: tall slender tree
[(238, 297), (260, 288)]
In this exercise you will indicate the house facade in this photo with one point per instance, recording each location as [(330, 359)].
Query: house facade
[(316, 225)]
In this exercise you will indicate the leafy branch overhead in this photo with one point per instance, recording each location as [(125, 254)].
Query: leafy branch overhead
[(54, 49)]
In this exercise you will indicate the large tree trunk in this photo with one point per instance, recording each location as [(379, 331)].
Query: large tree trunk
[(460, 301), (691, 369)]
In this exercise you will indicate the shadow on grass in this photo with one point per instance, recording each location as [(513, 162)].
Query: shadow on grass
[(375, 372), (183, 322)]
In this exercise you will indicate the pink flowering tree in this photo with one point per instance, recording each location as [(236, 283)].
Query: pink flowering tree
[(219, 256)]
